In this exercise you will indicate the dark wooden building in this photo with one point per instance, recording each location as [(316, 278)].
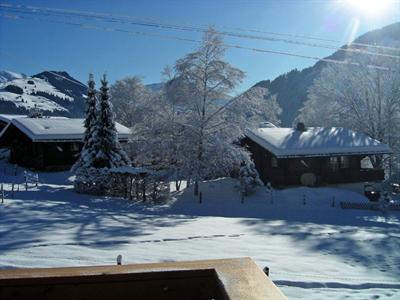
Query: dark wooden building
[(49, 143), (312, 156)]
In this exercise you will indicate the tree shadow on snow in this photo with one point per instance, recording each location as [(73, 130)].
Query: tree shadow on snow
[(39, 218), (369, 243), (359, 237)]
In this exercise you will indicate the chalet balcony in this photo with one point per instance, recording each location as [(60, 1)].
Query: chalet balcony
[(327, 176), (372, 174), (351, 175)]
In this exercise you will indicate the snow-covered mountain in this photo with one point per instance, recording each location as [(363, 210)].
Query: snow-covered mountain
[(291, 88), (54, 93), (8, 76), (155, 87)]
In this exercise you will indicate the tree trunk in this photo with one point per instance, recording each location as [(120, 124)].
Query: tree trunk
[(178, 185)]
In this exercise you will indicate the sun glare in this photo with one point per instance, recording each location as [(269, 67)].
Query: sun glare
[(371, 8)]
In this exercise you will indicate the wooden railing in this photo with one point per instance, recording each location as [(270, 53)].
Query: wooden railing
[(350, 175)]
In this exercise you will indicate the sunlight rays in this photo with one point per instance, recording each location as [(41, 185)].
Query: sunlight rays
[(371, 8)]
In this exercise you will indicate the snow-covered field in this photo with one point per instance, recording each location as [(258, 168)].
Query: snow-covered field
[(314, 251)]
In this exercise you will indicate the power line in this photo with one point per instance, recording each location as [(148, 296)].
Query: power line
[(128, 20), (317, 39), (171, 37), (97, 14), (110, 18), (233, 46)]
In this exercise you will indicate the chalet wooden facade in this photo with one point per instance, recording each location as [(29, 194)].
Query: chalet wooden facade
[(51, 143), (313, 156)]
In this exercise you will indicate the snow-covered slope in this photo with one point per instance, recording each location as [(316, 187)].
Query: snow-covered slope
[(8, 75), (54, 93)]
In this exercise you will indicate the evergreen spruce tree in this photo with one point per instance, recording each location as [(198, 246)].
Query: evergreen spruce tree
[(108, 151), (101, 149), (89, 124)]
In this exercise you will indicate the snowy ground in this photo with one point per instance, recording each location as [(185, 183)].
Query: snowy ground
[(314, 251)]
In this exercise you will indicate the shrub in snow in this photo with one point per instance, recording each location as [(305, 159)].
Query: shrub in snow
[(249, 178), (129, 182), (93, 181), (139, 184)]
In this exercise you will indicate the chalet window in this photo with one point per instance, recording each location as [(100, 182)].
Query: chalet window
[(274, 162), (344, 162), (366, 163), (333, 163)]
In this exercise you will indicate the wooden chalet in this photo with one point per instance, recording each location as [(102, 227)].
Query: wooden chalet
[(313, 156), (48, 143)]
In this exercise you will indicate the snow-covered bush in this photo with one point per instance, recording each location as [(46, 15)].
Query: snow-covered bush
[(137, 184), (93, 181), (249, 178), (129, 184)]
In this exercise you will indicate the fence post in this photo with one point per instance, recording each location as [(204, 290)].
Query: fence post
[(12, 190), (201, 197), (270, 192), (2, 193), (26, 181)]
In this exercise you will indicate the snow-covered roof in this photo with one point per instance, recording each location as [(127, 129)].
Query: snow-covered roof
[(58, 128), (8, 118), (315, 141)]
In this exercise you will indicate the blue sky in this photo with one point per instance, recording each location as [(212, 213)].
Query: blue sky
[(31, 46)]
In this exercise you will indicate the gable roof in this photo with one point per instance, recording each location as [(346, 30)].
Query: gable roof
[(9, 118), (57, 129), (315, 141)]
